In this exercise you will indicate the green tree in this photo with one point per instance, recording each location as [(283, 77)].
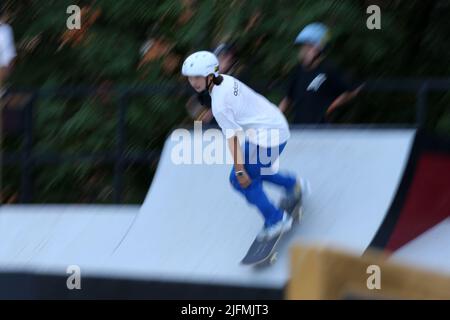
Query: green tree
[(133, 43)]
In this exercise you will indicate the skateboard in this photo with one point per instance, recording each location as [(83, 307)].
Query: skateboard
[(263, 251)]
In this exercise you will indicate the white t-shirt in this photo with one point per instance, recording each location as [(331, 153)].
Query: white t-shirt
[(237, 107), (7, 48)]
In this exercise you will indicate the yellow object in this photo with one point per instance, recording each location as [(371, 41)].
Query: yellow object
[(320, 273)]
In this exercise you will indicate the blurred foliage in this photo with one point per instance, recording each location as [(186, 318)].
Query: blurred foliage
[(139, 42)]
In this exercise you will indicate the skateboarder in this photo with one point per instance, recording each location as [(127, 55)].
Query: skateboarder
[(236, 107)]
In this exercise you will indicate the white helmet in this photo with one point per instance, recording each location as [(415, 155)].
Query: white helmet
[(201, 63)]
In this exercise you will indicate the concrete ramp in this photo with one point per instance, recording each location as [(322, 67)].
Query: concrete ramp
[(194, 227), (428, 251), (49, 238)]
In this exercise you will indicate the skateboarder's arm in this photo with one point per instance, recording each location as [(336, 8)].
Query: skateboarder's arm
[(238, 160), (236, 152)]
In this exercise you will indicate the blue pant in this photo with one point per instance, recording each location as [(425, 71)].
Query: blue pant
[(258, 161)]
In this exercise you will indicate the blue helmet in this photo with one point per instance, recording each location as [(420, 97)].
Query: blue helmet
[(315, 33)]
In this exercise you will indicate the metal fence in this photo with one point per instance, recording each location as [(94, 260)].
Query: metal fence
[(28, 159)]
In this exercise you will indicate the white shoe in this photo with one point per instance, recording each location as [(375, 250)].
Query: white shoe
[(275, 230)]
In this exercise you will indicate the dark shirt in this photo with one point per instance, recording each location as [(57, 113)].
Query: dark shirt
[(313, 91)]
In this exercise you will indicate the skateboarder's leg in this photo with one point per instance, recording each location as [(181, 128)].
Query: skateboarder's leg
[(256, 196), (284, 180), (266, 166)]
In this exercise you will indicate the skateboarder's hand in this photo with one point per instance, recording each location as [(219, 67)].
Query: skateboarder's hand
[(244, 180)]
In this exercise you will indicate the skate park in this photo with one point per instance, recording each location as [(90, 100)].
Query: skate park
[(97, 203), (370, 188)]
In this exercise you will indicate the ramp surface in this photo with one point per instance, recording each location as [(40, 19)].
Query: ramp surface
[(194, 227)]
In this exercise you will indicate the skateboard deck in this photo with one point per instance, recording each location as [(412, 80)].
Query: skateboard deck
[(262, 251)]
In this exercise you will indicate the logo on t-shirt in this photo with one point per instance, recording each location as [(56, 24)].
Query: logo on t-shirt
[(236, 88), (317, 82)]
